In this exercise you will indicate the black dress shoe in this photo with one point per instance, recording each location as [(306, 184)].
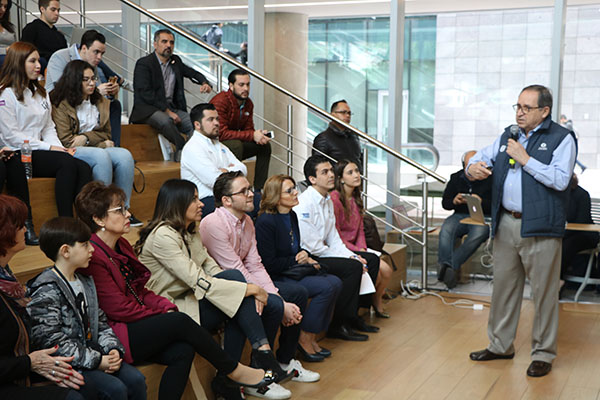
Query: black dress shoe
[(31, 238), (266, 360), (310, 357), (324, 352), (539, 368), (223, 390), (450, 278), (486, 355), (360, 325), (345, 333)]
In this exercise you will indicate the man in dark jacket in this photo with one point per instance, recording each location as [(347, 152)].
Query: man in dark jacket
[(450, 259), (159, 99), (236, 125), (42, 32), (336, 141)]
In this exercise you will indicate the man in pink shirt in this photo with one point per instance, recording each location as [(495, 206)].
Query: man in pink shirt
[(229, 236)]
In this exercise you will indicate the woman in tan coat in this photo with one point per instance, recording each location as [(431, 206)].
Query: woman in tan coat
[(183, 272), (81, 115)]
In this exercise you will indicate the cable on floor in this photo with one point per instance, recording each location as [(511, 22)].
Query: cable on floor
[(410, 294)]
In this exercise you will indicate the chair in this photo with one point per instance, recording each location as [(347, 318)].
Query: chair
[(593, 253)]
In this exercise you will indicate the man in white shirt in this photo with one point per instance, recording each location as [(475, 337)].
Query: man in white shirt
[(320, 237), (204, 158)]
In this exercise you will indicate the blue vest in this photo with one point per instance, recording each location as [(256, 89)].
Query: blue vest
[(544, 209)]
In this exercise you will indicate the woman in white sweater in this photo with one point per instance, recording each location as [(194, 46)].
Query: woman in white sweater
[(25, 114)]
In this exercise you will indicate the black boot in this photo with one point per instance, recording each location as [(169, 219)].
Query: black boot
[(31, 238), (224, 391), (266, 360)]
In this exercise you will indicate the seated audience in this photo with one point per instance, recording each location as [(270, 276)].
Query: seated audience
[(338, 142), (578, 211), (236, 126), (82, 122), (91, 49), (64, 313), (450, 259), (183, 272), (230, 238), (19, 366), (149, 326), (42, 32), (159, 99), (13, 173), (278, 243), (26, 115), (322, 240), (204, 158), (349, 212), (7, 29)]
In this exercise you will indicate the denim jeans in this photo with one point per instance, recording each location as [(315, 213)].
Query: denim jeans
[(452, 229), (126, 384), (105, 161)]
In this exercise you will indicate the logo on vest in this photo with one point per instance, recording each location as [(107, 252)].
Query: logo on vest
[(543, 146), (502, 148)]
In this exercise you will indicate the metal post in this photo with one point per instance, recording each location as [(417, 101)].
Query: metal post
[(82, 13), (425, 187), (290, 142), (149, 38), (219, 77), (21, 16), (557, 52), (366, 176)]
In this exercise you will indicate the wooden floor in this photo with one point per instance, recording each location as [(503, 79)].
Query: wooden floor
[(422, 352)]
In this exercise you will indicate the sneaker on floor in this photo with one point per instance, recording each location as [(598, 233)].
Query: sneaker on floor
[(133, 221), (273, 391), (302, 374)]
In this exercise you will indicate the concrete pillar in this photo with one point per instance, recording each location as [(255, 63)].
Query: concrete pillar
[(286, 63), (256, 53)]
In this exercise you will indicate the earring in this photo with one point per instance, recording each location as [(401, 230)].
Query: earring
[(103, 229), (343, 183)]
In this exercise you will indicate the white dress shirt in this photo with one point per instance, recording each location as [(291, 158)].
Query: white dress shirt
[(201, 159), (30, 119), (317, 226)]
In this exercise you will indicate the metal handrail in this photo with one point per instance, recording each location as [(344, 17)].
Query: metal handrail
[(281, 89)]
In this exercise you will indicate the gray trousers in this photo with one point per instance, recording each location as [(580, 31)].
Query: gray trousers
[(515, 257), (161, 121)]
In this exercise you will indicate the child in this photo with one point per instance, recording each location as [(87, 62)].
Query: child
[(64, 311)]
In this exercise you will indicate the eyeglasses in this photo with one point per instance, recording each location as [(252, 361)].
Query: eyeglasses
[(291, 190), (343, 112), (525, 109), (244, 191), (86, 79), (122, 210)]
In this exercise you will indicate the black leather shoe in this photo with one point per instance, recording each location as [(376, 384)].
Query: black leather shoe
[(360, 325), (310, 357), (539, 368), (266, 360), (442, 271), (223, 390), (31, 238), (345, 333), (486, 355), (450, 278), (324, 352)]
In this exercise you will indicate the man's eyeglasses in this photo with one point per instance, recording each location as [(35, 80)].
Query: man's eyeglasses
[(291, 190), (525, 109), (122, 210), (244, 191), (86, 79), (343, 112)]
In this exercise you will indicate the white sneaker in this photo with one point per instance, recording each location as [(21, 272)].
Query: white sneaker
[(303, 375), (274, 392)]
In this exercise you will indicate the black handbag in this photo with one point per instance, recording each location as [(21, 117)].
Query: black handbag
[(299, 271)]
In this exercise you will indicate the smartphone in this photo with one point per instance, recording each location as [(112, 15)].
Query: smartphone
[(269, 134)]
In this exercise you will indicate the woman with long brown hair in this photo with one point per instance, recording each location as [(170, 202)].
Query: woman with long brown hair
[(25, 114), (349, 214)]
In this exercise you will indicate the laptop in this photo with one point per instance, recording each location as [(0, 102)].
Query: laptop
[(475, 208)]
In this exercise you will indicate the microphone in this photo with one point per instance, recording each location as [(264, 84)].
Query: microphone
[(514, 135)]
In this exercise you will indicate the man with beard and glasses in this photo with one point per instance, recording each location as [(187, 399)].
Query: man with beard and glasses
[(237, 126), (159, 99), (204, 158)]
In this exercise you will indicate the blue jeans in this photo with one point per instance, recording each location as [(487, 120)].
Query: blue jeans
[(126, 384), (452, 229), (105, 161)]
